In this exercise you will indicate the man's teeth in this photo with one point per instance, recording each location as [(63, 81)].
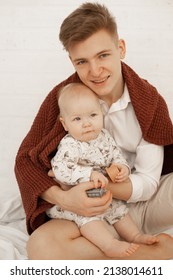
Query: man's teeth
[(101, 81)]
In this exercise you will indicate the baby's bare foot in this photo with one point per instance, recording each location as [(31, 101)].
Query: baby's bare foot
[(162, 250), (131, 249), (120, 249), (146, 239)]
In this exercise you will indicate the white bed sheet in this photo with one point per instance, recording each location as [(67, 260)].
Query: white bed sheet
[(13, 238), (13, 234)]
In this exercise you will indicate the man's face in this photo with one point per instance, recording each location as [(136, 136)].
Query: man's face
[(97, 61)]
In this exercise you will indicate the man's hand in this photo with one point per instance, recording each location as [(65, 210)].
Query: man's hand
[(51, 174), (77, 201), (75, 198)]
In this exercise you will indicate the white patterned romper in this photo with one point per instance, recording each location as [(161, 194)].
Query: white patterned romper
[(73, 164)]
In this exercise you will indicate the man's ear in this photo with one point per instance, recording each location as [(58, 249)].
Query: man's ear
[(122, 48), (63, 123)]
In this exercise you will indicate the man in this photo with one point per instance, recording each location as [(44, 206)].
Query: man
[(133, 110)]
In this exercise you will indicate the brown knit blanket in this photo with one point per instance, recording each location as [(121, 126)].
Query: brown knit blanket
[(40, 144)]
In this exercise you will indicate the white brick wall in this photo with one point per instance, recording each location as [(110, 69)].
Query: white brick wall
[(32, 60)]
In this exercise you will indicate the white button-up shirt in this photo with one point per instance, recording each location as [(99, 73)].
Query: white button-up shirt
[(144, 158)]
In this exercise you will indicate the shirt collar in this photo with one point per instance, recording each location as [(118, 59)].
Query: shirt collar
[(119, 105)]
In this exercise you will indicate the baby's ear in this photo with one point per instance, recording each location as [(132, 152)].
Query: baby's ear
[(63, 123)]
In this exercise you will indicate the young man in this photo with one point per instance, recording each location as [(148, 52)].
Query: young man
[(85, 154), (136, 116)]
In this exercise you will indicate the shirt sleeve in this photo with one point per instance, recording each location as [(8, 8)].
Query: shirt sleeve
[(146, 173), (65, 164)]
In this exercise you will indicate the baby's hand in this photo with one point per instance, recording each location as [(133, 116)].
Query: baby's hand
[(98, 179), (123, 173), (117, 172)]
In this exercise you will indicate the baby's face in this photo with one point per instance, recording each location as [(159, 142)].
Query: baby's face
[(83, 118)]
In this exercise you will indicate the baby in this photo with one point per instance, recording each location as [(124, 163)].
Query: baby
[(84, 154)]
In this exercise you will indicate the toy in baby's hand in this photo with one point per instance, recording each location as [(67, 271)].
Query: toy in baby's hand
[(112, 172), (96, 192)]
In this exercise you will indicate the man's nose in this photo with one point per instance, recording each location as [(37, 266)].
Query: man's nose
[(95, 69)]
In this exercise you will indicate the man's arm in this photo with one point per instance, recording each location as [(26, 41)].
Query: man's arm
[(122, 191), (30, 169), (76, 199), (145, 176)]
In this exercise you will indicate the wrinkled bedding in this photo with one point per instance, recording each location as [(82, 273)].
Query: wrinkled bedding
[(13, 234), (13, 238)]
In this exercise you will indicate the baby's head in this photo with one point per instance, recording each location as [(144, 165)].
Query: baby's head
[(80, 112)]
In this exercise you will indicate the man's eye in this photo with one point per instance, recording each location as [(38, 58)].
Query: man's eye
[(80, 62), (103, 55)]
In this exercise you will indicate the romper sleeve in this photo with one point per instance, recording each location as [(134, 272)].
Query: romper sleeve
[(66, 166)]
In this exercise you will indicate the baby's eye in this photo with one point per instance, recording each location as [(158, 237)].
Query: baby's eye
[(93, 115), (77, 119)]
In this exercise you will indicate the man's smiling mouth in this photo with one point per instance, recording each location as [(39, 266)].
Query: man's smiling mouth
[(101, 80)]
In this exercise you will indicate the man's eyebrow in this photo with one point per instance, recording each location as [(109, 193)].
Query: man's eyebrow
[(103, 51), (78, 59), (97, 54)]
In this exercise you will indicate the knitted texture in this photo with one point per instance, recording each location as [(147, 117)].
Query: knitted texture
[(40, 144), (150, 108)]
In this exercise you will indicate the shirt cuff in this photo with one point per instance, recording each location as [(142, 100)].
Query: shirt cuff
[(137, 188), (142, 189)]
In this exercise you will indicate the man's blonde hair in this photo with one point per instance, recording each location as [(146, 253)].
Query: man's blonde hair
[(84, 22)]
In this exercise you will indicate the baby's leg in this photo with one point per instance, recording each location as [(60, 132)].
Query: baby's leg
[(96, 232), (129, 231)]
